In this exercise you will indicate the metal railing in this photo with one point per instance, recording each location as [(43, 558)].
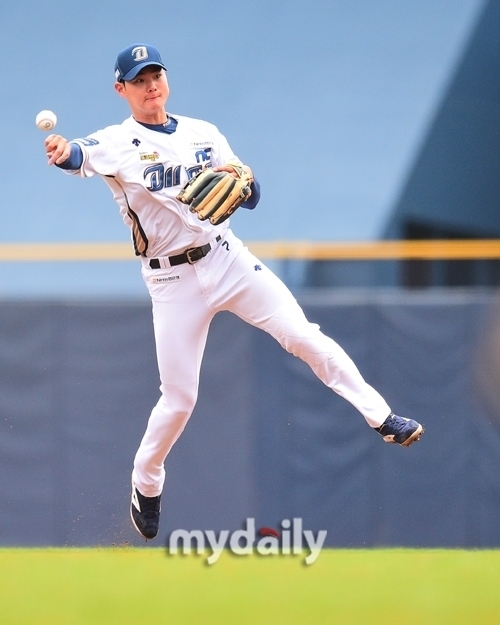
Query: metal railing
[(459, 249)]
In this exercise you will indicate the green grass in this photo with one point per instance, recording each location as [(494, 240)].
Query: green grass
[(132, 586)]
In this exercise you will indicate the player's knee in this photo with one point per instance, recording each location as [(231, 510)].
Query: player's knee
[(314, 348), (178, 400), (305, 341)]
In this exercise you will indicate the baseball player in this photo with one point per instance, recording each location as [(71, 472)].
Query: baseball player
[(194, 266)]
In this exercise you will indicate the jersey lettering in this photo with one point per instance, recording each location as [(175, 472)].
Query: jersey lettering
[(192, 171), (173, 176), (158, 178), (155, 174), (88, 142), (203, 156)]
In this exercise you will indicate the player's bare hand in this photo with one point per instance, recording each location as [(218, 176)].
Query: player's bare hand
[(231, 170), (58, 149)]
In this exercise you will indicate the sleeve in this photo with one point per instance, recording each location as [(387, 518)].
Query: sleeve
[(75, 160), (98, 155), (253, 200)]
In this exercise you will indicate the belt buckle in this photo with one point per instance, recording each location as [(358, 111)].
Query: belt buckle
[(190, 260)]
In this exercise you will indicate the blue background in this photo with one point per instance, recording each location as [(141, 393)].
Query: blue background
[(334, 95), (338, 96)]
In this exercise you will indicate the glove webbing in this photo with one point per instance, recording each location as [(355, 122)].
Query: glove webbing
[(221, 186), (215, 195), (226, 191), (192, 189)]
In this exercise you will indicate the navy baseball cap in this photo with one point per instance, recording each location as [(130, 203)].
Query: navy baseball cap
[(131, 60)]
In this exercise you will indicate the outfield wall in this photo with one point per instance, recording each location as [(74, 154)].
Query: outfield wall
[(267, 439)]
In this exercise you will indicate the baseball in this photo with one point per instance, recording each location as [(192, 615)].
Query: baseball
[(46, 120)]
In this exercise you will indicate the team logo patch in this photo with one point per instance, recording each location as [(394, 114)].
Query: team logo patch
[(140, 53), (88, 142), (149, 156), (166, 279)]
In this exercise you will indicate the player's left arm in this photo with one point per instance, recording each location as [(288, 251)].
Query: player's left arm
[(225, 156), (254, 198)]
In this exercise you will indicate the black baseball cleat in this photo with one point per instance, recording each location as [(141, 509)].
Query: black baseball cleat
[(400, 430), (145, 513)]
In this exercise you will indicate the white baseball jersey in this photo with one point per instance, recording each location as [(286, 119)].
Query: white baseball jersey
[(145, 170)]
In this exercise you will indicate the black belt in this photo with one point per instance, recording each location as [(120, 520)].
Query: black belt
[(191, 256)]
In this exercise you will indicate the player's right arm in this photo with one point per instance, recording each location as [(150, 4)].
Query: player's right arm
[(63, 153)]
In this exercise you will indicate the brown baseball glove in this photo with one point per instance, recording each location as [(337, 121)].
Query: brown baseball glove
[(215, 195)]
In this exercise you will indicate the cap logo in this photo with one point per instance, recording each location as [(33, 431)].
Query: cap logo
[(140, 53)]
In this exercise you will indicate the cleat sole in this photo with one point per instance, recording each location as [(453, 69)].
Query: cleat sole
[(414, 437)]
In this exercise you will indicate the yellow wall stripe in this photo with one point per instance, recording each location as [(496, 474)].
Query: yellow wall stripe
[(298, 250), (379, 250), (34, 252)]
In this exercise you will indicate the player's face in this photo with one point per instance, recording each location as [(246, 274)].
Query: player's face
[(146, 95)]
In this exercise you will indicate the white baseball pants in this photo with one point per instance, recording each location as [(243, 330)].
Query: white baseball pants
[(185, 299)]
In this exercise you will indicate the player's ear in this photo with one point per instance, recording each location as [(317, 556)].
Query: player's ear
[(120, 89)]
